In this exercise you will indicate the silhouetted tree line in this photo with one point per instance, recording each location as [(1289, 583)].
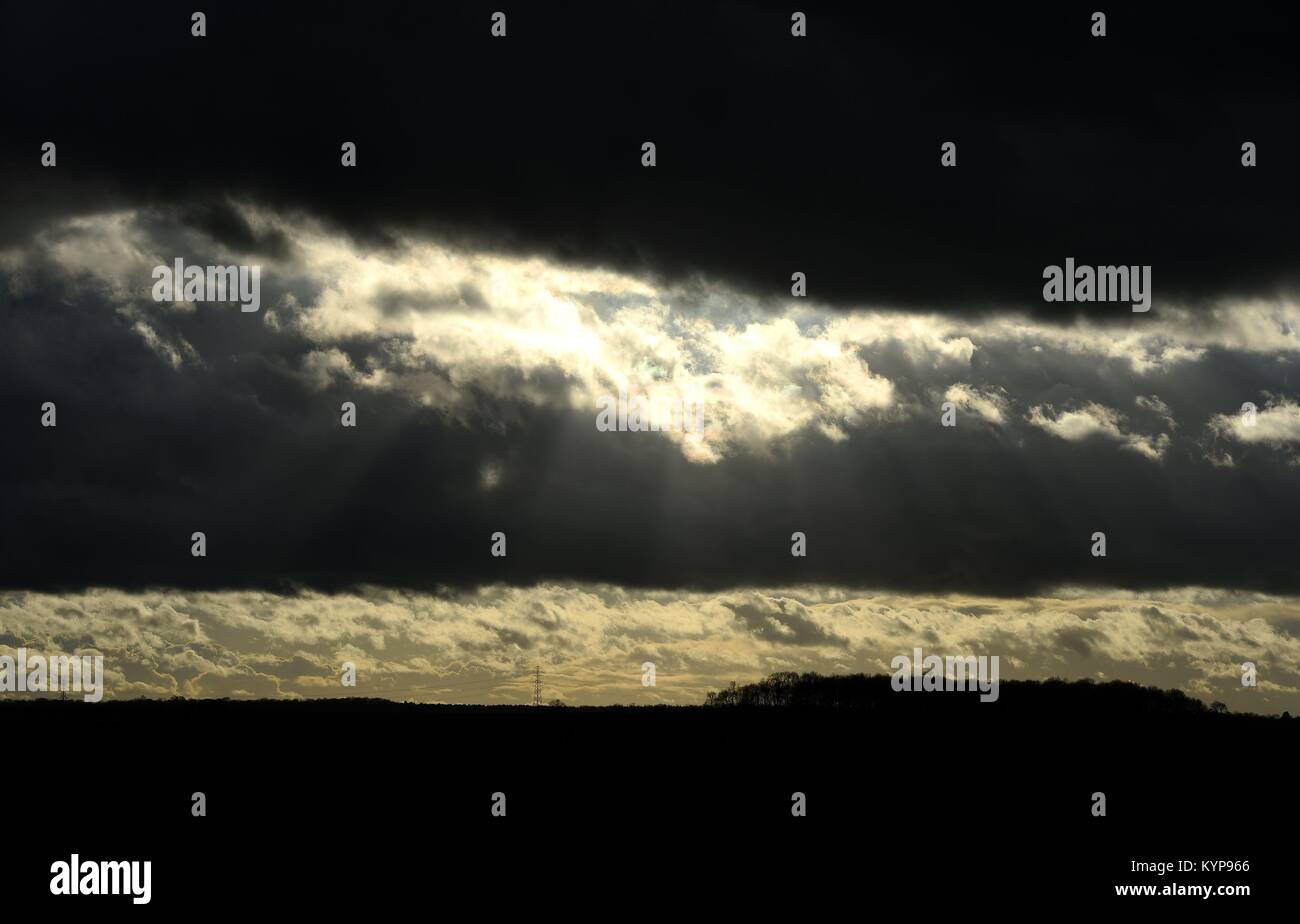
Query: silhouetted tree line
[(787, 689)]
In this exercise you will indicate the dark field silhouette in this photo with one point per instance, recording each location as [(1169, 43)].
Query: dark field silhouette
[(301, 792), (1114, 701)]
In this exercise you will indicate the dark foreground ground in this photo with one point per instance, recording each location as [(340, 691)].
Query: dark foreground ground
[(352, 807)]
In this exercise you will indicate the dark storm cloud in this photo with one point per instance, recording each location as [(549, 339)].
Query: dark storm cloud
[(222, 223), (236, 440), (775, 154)]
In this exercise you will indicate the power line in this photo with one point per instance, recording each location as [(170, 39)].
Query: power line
[(561, 681)]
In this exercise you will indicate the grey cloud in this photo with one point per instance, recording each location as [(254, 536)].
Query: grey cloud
[(783, 622)]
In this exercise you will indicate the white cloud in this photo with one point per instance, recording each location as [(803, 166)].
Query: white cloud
[(481, 646), (454, 329), (1092, 419), (1275, 425), (986, 403)]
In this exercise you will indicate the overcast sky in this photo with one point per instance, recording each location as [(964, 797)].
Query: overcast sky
[(499, 260)]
